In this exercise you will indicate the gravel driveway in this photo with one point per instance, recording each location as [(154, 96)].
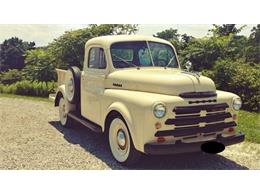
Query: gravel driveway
[(31, 138)]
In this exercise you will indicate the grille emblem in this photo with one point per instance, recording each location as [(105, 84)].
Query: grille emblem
[(203, 113), (202, 124)]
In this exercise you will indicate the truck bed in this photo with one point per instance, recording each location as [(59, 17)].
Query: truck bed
[(61, 76)]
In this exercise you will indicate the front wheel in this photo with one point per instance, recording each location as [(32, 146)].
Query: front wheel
[(121, 144), (64, 119)]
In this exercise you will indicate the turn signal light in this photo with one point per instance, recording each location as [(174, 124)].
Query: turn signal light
[(160, 139), (234, 117), (231, 129), (158, 125)]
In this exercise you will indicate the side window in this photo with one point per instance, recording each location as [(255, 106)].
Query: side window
[(97, 58)]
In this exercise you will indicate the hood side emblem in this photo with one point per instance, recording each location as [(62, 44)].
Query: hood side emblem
[(117, 85)]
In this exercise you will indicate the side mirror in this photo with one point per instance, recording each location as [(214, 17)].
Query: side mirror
[(188, 65)]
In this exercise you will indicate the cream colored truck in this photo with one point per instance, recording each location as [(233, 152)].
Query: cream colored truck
[(132, 89)]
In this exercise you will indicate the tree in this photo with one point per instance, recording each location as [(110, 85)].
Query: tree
[(68, 49), (202, 53), (172, 36), (255, 35), (113, 29), (39, 66), (12, 53), (168, 34), (252, 51), (225, 29), (185, 39)]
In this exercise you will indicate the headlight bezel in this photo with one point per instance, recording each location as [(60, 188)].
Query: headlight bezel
[(236, 103), (156, 110)]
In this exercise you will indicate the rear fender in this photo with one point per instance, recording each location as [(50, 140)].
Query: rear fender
[(61, 93)]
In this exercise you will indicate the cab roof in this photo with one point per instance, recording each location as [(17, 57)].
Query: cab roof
[(107, 41)]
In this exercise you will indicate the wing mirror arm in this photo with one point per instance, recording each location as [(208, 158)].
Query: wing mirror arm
[(188, 66)]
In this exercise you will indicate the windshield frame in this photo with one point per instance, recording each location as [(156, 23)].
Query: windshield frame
[(148, 46)]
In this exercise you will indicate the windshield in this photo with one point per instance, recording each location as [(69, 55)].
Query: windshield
[(143, 54)]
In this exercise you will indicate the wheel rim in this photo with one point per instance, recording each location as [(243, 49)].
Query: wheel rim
[(70, 86), (62, 111), (119, 140)]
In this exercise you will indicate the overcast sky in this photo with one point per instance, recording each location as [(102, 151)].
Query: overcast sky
[(42, 34)]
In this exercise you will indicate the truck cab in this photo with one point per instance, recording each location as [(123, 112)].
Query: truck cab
[(132, 89)]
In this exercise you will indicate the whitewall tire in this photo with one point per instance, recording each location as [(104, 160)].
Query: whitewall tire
[(64, 119), (121, 144)]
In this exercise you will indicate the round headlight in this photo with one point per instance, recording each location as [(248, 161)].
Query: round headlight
[(159, 110), (237, 103)]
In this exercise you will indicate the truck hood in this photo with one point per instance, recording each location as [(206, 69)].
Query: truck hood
[(159, 80)]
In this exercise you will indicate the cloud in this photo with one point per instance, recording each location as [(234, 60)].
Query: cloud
[(41, 34)]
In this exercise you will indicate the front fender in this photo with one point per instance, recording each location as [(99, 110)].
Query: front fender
[(124, 111), (137, 109)]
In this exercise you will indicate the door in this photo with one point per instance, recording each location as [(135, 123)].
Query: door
[(92, 84)]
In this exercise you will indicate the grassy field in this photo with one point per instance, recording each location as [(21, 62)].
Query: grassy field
[(248, 122), (24, 97)]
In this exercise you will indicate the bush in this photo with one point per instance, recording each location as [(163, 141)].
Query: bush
[(11, 76), (35, 88), (240, 78), (7, 89)]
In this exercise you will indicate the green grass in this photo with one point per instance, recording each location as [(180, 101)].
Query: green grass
[(25, 97), (249, 124)]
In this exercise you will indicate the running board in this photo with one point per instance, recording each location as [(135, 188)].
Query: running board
[(92, 126)]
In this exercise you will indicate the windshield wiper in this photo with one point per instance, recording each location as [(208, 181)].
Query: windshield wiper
[(169, 63), (126, 61)]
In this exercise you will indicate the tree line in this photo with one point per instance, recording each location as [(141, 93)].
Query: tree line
[(231, 59)]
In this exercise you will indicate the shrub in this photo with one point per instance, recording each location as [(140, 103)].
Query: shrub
[(240, 78), (11, 76), (35, 88)]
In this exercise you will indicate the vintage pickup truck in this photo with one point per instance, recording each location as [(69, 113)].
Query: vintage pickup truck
[(132, 89)]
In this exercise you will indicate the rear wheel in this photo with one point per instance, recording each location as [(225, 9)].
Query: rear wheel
[(121, 144), (64, 119)]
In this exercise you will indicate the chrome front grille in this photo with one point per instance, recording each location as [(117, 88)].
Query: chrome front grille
[(197, 109), (202, 101), (190, 120)]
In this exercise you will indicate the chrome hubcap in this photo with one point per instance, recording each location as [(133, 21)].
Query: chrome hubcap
[(121, 139), (70, 85)]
